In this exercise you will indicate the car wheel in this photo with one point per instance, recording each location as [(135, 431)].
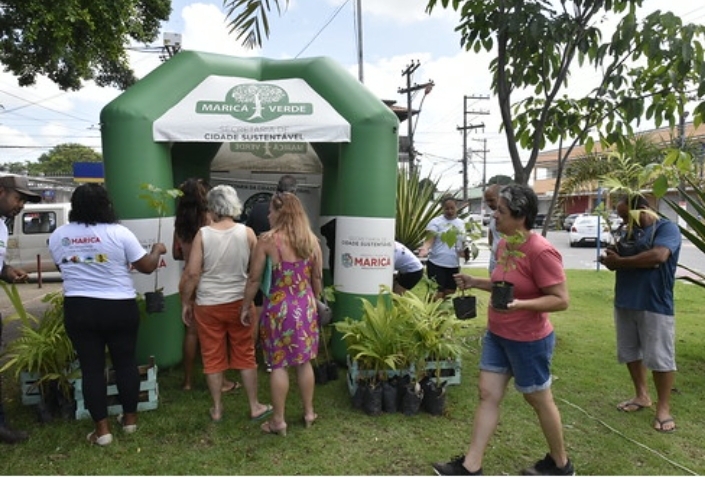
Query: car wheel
[(572, 244)]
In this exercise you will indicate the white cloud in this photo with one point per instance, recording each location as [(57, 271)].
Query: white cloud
[(402, 11), (205, 29)]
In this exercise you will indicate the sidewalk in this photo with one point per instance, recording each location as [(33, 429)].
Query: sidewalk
[(31, 296)]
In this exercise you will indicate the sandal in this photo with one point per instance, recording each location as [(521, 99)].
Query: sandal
[(309, 422), (267, 428), (659, 423), (212, 414), (266, 413)]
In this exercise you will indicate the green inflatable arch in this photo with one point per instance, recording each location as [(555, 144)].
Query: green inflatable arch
[(169, 126)]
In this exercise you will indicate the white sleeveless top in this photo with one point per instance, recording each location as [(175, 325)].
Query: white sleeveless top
[(226, 255)]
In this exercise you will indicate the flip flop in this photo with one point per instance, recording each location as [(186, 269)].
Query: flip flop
[(661, 423), (235, 386), (211, 413), (264, 414), (631, 406), (268, 429)]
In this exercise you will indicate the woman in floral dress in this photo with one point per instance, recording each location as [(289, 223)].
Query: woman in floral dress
[(289, 322)]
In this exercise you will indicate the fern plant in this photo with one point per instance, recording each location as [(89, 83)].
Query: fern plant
[(43, 346), (431, 331), (373, 340)]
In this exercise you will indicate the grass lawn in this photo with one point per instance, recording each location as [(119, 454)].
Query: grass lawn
[(179, 439)]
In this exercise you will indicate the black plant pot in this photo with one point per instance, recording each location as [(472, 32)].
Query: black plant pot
[(154, 302), (358, 398), (465, 307), (332, 368), (372, 404), (55, 404), (402, 382), (411, 399), (320, 373), (390, 396), (434, 397), (502, 294)]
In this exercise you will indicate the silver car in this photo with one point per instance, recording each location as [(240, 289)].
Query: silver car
[(585, 231), (568, 221)]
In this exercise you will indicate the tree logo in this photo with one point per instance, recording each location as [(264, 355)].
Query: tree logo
[(255, 103)]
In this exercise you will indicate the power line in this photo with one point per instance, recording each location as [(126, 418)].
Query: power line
[(36, 103), (335, 14)]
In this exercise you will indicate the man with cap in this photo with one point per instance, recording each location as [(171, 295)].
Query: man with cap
[(258, 218), (14, 192)]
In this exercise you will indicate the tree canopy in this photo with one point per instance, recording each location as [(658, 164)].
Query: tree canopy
[(74, 40), (61, 158), (646, 70)]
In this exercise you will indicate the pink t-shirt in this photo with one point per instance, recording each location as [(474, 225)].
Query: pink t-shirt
[(540, 267)]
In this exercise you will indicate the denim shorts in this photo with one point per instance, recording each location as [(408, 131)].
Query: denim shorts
[(528, 361)]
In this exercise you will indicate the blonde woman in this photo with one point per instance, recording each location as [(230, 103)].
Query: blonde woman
[(289, 322)]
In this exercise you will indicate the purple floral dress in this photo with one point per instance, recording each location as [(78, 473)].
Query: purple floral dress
[(289, 322)]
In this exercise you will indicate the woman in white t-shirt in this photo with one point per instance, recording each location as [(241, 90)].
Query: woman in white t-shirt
[(443, 261), (94, 254)]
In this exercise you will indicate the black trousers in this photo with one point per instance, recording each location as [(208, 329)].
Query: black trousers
[(92, 324)]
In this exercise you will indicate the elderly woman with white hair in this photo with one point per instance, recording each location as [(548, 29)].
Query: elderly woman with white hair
[(217, 272)]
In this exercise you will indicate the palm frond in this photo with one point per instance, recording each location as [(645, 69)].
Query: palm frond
[(250, 20)]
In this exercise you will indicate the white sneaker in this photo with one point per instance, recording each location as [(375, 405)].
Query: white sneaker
[(104, 440), (127, 429)]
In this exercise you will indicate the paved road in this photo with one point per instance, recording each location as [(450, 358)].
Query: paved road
[(583, 258), (31, 297)]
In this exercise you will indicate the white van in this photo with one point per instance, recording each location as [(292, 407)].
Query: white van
[(29, 233)]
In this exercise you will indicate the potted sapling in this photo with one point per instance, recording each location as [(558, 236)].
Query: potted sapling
[(42, 354), (464, 302), (158, 199), (503, 290)]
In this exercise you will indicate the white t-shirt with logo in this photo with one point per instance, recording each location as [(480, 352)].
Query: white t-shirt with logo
[(4, 234), (404, 259), (95, 259)]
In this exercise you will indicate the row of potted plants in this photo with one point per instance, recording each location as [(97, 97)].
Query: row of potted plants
[(395, 335)]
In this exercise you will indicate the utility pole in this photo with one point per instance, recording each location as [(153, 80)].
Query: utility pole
[(408, 72), (484, 152), (465, 127), (360, 73)]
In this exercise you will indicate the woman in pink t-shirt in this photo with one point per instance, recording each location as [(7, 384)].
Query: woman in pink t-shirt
[(519, 341)]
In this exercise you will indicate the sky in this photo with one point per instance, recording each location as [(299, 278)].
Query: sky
[(394, 33)]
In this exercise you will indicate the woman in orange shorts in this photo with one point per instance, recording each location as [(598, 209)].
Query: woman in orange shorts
[(217, 272)]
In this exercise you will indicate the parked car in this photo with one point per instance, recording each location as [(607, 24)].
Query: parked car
[(568, 221), (584, 231), (615, 221), (540, 219), (28, 235), (475, 217)]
